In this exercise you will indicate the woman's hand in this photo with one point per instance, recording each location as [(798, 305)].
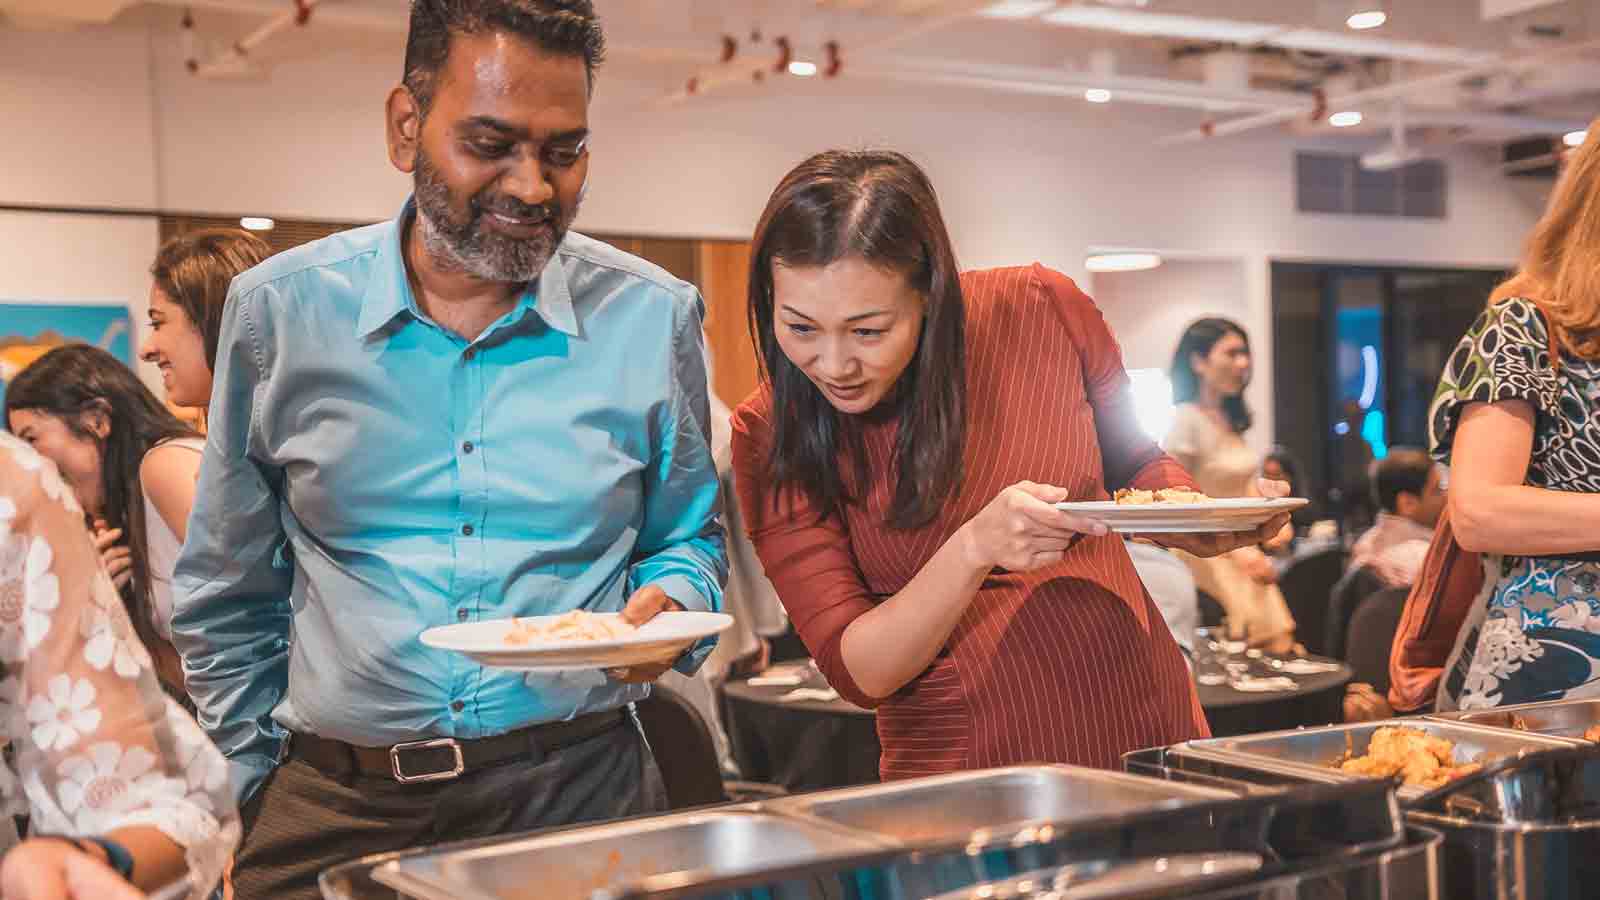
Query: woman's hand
[(1257, 565), (1021, 529), (56, 869), (1363, 703), (114, 556)]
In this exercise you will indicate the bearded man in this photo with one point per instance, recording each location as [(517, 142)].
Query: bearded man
[(466, 413)]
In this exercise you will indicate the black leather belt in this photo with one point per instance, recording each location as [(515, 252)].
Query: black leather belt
[(443, 759)]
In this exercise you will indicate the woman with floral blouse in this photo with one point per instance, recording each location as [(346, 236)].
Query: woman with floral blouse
[(124, 792)]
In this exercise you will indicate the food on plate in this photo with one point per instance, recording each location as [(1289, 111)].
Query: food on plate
[(578, 625), (1136, 497), (1419, 758)]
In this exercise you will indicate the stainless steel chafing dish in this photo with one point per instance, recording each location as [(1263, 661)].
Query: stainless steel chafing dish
[(802, 847), (993, 804), (650, 853), (1527, 826), (1561, 718), (1311, 754)]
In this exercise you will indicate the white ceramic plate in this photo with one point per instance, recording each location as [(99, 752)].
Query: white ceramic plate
[(1240, 514), (659, 640)]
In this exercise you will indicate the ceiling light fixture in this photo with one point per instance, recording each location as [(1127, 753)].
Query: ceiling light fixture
[(1366, 18), (257, 223), (1345, 119), (1574, 138), (1097, 95), (802, 68), (1121, 262)]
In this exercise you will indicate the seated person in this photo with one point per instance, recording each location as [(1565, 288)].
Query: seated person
[(1409, 490)]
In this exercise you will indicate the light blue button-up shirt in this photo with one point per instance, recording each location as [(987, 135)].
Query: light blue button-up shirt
[(369, 475)]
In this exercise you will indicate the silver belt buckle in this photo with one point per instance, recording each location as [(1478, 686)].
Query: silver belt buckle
[(442, 775)]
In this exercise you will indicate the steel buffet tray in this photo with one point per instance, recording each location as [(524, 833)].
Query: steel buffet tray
[(1310, 753), (1528, 827), (929, 837), (1558, 718)]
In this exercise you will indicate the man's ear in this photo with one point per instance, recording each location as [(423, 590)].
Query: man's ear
[(403, 128)]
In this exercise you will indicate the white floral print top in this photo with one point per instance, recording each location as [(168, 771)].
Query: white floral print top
[(96, 743)]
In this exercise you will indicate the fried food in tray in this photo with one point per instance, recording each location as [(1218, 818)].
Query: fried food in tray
[(1415, 756)]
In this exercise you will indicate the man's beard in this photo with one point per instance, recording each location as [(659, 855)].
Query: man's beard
[(468, 246)]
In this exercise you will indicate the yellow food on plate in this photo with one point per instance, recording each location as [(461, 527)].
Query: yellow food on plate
[(1419, 758), (1136, 497), (575, 626)]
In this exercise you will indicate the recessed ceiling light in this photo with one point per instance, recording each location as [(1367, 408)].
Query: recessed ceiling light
[(1574, 138), (1345, 119), (802, 68), (1097, 95), (1017, 9), (1369, 18), (1121, 262), (257, 223)]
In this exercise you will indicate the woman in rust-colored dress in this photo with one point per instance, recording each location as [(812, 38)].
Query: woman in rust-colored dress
[(898, 469)]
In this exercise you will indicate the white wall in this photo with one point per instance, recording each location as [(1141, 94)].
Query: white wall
[(1020, 179), (77, 258)]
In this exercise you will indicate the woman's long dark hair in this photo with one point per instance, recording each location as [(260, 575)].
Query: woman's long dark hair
[(879, 207), (76, 380), (1199, 338)]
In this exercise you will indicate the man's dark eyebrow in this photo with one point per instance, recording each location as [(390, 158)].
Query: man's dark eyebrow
[(509, 130)]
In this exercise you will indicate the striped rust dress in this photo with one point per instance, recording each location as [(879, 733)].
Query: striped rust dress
[(1071, 663)]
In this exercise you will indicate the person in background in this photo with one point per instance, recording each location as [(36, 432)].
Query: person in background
[(898, 475), (189, 287), (123, 792), (1210, 370), (1171, 586), (466, 413), (1280, 464), (1409, 490), (1352, 473), (745, 648), (1519, 427), (132, 466)]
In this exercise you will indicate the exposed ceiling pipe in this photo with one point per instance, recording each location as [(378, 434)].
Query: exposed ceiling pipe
[(1391, 91), (1047, 82), (936, 16), (367, 17), (235, 61)]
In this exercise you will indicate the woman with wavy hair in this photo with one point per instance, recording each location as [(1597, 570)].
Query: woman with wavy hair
[(1517, 418), (132, 465), (898, 470)]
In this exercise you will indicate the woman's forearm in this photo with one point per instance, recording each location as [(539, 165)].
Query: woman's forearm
[(1524, 521), (886, 648)]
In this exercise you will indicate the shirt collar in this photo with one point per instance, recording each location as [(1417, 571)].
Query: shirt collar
[(388, 292)]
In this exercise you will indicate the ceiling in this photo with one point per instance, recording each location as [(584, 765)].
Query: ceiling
[(1436, 72)]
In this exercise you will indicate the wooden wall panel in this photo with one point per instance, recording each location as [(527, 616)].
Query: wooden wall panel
[(724, 271)]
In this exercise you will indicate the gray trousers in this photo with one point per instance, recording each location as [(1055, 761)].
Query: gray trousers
[(305, 820)]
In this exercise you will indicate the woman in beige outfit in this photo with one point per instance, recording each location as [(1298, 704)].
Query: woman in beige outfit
[(1209, 373)]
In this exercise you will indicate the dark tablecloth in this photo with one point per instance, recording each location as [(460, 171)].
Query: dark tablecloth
[(803, 746), (1319, 701)]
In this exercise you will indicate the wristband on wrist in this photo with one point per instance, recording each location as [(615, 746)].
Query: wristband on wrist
[(117, 856)]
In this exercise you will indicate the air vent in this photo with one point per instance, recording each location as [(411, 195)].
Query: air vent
[(1539, 157), (1337, 183)]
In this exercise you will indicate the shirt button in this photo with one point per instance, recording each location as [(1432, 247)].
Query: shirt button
[(466, 447), (466, 530), (462, 614), (458, 706), (471, 352)]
